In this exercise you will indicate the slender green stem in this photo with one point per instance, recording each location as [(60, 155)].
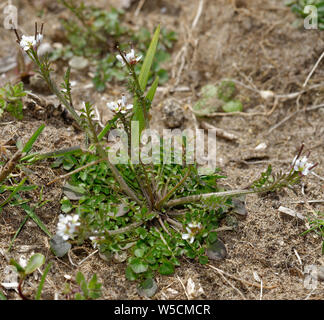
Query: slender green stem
[(169, 194), (107, 127), (17, 232), (41, 284), (142, 187), (113, 169), (196, 198), (138, 92), (45, 72), (148, 185), (17, 189), (119, 231)]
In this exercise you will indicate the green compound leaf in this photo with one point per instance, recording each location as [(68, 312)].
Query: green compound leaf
[(139, 252), (138, 266), (147, 288), (203, 259), (130, 274), (212, 237), (166, 268), (226, 91)]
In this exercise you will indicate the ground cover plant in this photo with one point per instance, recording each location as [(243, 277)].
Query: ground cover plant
[(130, 196), (10, 99), (128, 206)]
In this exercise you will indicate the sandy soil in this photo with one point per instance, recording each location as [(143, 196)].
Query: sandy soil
[(250, 41)]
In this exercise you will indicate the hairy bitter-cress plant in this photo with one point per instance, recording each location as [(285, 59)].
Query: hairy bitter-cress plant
[(149, 214)]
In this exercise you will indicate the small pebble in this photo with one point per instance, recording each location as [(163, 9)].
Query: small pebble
[(59, 246), (320, 273), (38, 84), (106, 256), (44, 48), (147, 288), (239, 206), (217, 251), (262, 146), (10, 280), (120, 257), (173, 115), (78, 63)]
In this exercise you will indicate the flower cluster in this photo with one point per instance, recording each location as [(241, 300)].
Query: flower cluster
[(130, 57), (301, 165), (95, 240), (120, 105), (28, 42), (67, 226), (192, 229)]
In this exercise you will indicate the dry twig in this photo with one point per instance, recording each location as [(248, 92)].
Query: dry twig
[(313, 70), (219, 132), (86, 258), (184, 288), (226, 280), (312, 108), (139, 7), (10, 165), (241, 280)]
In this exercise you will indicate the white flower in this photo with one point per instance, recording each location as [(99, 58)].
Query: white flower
[(195, 225), (189, 236), (119, 105), (130, 57), (95, 240), (67, 226), (28, 42), (302, 166), (39, 38), (192, 229)]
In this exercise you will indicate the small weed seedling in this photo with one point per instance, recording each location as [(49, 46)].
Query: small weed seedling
[(317, 225), (16, 187), (83, 290), (150, 214), (35, 262), (11, 99)]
